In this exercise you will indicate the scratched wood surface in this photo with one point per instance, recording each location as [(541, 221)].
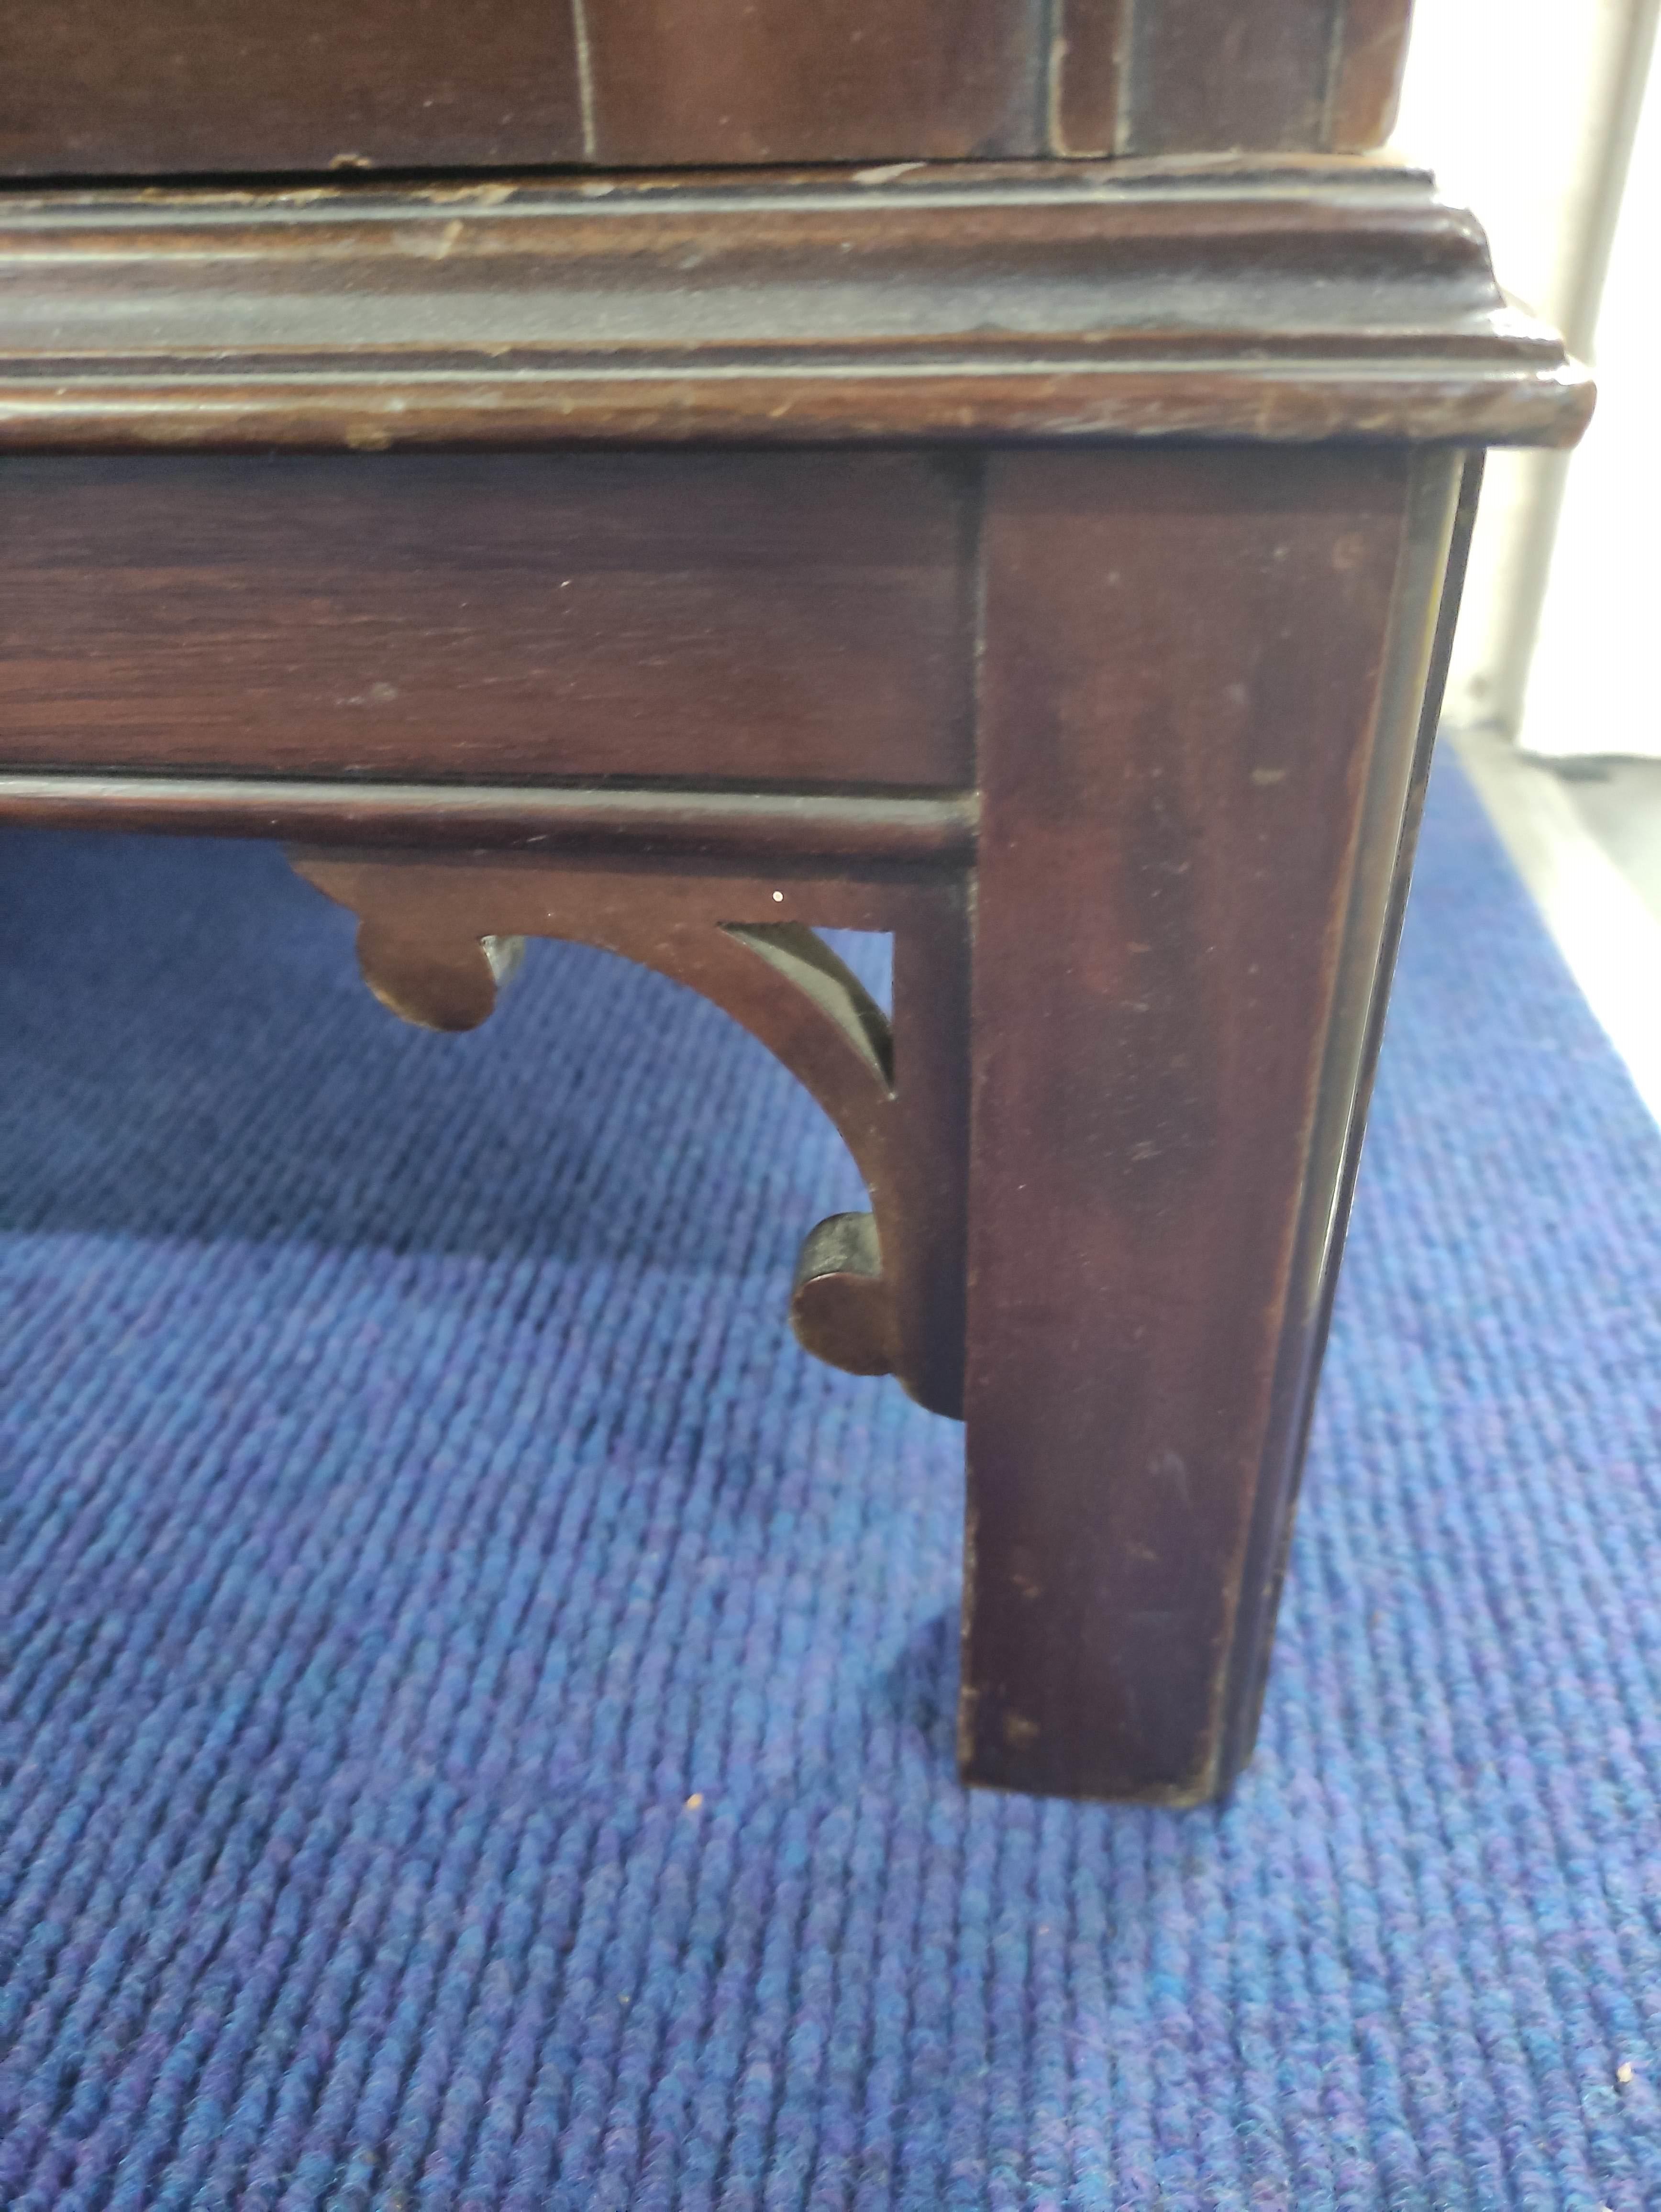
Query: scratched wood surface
[(946, 303)]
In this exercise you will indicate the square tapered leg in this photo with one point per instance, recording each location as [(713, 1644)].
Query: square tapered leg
[(1204, 700)]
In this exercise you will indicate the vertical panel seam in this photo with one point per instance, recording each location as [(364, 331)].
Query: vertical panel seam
[(584, 80), (1335, 37), (1124, 117), (981, 493), (1047, 76)]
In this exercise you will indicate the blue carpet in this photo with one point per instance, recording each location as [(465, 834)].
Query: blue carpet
[(477, 1701)]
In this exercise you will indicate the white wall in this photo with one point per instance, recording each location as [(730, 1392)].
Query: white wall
[(1515, 104), (1595, 686)]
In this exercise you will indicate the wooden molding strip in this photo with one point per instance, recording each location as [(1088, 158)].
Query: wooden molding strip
[(784, 825), (1313, 299)]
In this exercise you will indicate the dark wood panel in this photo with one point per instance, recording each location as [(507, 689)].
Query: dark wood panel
[(1366, 81), (1184, 662), (796, 617), (110, 88), (102, 87), (1250, 75), (180, 87), (742, 81)]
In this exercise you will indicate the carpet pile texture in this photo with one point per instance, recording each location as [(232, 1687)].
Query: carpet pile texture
[(476, 1702)]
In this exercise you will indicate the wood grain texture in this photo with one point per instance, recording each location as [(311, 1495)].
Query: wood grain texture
[(793, 617), (1185, 657), (766, 81), (135, 87), (170, 87), (1292, 302)]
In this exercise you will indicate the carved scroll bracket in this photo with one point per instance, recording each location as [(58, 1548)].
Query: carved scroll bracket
[(876, 1293)]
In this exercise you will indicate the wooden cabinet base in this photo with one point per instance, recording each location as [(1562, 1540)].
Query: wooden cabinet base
[(1152, 991), (1061, 581)]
